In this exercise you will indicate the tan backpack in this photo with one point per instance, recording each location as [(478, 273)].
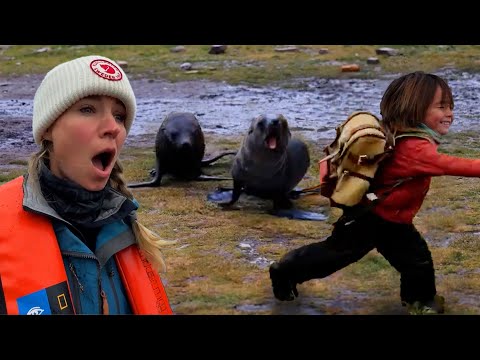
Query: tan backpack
[(353, 158)]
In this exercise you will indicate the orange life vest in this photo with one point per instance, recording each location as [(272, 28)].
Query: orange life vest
[(31, 264)]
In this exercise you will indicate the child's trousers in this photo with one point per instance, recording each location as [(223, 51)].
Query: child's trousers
[(401, 244)]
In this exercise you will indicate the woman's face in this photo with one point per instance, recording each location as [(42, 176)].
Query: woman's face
[(439, 115), (87, 139)]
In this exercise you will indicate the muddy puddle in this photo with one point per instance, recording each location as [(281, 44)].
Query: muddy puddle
[(313, 106)]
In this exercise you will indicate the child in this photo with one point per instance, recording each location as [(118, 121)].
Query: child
[(70, 242), (419, 105)]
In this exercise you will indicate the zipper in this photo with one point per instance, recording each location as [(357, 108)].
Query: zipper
[(72, 269), (103, 296), (111, 274), (104, 302), (80, 285), (76, 286)]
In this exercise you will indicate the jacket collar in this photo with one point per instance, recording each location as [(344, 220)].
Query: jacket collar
[(34, 201)]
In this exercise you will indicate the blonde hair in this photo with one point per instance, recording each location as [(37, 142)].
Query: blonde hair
[(148, 241)]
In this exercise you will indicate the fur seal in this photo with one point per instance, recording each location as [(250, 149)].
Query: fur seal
[(269, 165), (179, 150)]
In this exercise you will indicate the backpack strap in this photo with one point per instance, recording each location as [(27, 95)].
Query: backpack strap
[(370, 159), (414, 133), (374, 200), (356, 174)]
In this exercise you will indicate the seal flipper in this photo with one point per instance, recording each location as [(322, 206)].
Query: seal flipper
[(282, 202), (297, 192), (221, 195), (157, 179), (204, 177), (237, 191), (298, 214), (206, 162), (226, 196), (201, 177), (283, 207)]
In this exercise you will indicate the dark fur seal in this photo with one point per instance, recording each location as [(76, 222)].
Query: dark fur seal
[(269, 165), (179, 150)]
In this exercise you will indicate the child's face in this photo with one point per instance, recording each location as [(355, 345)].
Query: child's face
[(87, 139), (439, 115)]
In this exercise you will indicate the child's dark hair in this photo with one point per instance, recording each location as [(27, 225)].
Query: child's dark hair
[(406, 100)]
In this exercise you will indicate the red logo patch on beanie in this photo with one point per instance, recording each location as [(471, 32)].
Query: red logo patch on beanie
[(105, 69)]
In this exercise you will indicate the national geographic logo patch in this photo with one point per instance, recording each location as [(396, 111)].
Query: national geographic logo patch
[(54, 300)]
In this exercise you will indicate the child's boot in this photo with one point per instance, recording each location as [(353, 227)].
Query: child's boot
[(432, 307), (284, 289)]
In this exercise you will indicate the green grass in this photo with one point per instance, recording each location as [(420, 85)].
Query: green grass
[(249, 64), (10, 175), (210, 273)]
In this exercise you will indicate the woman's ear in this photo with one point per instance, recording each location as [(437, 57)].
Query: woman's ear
[(47, 135)]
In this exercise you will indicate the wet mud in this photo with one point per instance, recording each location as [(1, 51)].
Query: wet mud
[(313, 107)]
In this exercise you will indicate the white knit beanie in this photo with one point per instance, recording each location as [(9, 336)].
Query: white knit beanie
[(73, 80)]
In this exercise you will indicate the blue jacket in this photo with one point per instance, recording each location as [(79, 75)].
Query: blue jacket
[(92, 276)]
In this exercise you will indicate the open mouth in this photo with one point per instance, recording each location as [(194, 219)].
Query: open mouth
[(104, 159), (273, 137), (271, 141)]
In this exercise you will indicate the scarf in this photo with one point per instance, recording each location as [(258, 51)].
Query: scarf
[(82, 207), (436, 136)]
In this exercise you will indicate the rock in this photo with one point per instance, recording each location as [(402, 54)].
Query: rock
[(217, 49), (123, 64), (350, 68), (373, 61), (286, 49), (177, 49), (323, 51), (186, 66), (42, 50), (387, 51)]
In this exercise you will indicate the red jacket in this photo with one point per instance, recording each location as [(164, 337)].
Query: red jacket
[(419, 158)]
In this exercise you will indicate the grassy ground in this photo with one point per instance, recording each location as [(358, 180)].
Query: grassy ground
[(252, 64), (212, 269), (219, 264)]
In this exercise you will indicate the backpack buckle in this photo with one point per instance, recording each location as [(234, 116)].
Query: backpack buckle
[(361, 158)]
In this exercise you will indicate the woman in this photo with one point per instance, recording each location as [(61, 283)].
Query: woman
[(70, 242)]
